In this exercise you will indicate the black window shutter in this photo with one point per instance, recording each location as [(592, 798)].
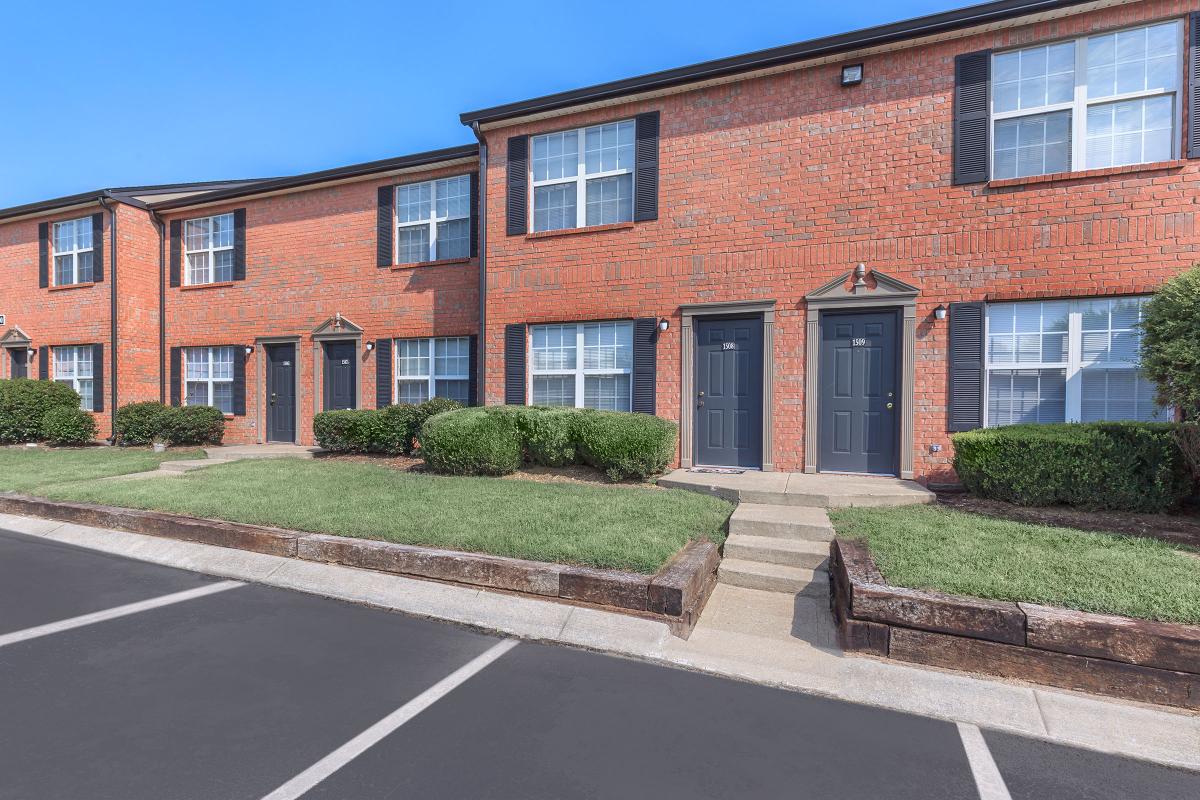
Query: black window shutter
[(473, 373), (645, 344), (517, 201), (43, 255), (514, 364), (383, 373), (1193, 98), (645, 193), (239, 380), (972, 82), (97, 248), (176, 252), (176, 371), (965, 410), (239, 253), (475, 220), (383, 227), (44, 362), (97, 375)]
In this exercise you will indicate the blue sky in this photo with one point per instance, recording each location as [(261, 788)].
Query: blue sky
[(136, 93)]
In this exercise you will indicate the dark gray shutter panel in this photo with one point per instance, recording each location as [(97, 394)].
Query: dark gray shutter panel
[(97, 247), (383, 373), (473, 373), (972, 83), (645, 346), (176, 252), (383, 227), (239, 380), (475, 220), (1193, 98), (517, 201), (514, 364), (97, 375), (43, 255), (176, 375), (965, 406), (44, 362), (645, 180), (239, 250)]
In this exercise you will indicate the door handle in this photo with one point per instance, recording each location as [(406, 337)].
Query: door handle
[(889, 405), (272, 398)]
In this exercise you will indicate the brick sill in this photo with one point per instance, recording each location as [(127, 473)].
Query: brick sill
[(615, 226), (69, 286), (194, 286), (1057, 177), (441, 262)]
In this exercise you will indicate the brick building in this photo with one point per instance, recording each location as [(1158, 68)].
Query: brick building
[(825, 256)]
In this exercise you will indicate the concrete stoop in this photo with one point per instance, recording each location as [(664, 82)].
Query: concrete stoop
[(778, 548), (774, 577)]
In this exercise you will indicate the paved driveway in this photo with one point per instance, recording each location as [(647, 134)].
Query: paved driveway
[(125, 680)]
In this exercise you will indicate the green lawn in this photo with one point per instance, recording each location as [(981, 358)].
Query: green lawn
[(614, 527), (24, 469), (930, 547)]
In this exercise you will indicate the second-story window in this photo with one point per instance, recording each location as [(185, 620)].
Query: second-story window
[(583, 177), (208, 247), (1100, 101), (433, 220), (73, 251)]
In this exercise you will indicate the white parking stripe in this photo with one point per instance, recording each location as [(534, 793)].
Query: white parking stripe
[(114, 613), (987, 775), (372, 735)]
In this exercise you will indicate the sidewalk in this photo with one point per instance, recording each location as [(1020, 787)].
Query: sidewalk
[(763, 637)]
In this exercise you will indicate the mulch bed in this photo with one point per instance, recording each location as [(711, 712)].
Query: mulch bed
[(1181, 529), (574, 474)]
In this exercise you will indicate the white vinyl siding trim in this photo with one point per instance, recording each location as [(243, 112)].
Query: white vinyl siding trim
[(437, 367), (208, 249), (209, 377), (72, 245), (433, 220), (583, 177), (73, 366), (582, 366)]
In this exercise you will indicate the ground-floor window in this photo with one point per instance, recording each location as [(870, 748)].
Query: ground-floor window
[(73, 366), (584, 366), (428, 368), (210, 377), (1067, 361)]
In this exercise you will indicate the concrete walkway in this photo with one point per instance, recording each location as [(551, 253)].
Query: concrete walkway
[(765, 637), (222, 455)]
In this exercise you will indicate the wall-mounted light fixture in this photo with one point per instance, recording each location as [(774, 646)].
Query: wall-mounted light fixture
[(31, 350), (664, 324), (249, 349), (370, 346), (939, 313), (852, 74)]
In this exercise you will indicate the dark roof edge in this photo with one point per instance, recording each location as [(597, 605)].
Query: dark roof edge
[(762, 59), (427, 158), (124, 194)]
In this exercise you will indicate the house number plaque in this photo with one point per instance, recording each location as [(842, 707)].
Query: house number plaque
[(860, 342), (345, 362), (729, 345)]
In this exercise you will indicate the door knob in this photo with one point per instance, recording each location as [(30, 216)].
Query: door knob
[(889, 405), (702, 394)]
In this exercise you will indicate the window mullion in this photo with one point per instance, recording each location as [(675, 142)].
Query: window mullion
[(1079, 109), (581, 182), (1074, 357), (432, 386), (580, 380), (432, 245)]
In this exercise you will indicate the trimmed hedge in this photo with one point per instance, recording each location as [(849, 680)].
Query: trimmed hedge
[(145, 423), (24, 404), (1114, 466), (140, 424), (471, 441), (68, 426), (392, 430), (626, 445)]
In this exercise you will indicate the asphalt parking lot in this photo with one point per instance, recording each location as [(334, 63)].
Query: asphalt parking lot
[(126, 680)]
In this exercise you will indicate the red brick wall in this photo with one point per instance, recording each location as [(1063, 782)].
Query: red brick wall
[(137, 306), (309, 256), (771, 187)]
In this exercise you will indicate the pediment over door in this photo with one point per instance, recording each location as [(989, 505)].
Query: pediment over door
[(866, 285), (336, 326), (15, 337)]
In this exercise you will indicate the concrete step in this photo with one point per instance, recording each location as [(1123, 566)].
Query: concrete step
[(773, 550), (782, 522), (774, 577), (821, 490), (237, 452), (189, 465)]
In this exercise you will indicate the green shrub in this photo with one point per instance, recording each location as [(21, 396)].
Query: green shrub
[(392, 430), (139, 424), (347, 431), (194, 425), (1118, 466), (68, 426), (626, 445), (550, 436), (471, 441), (24, 403), (1171, 343)]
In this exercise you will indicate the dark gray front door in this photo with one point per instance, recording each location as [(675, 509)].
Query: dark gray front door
[(859, 400), (729, 391), (341, 376), (19, 363), (281, 392)]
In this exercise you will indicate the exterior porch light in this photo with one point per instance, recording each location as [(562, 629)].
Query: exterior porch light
[(370, 346), (852, 74), (32, 351), (939, 313), (663, 324), (249, 349)]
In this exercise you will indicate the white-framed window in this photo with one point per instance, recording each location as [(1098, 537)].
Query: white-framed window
[(1067, 361), (209, 377), (583, 177), (72, 251), (1097, 101), (585, 366), (208, 249), (439, 367), (73, 366), (433, 220)]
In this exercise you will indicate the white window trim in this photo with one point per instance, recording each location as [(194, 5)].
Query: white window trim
[(73, 253), (1081, 102), (580, 178), (210, 352), (431, 223), (87, 403), (212, 251), (431, 378), (580, 372)]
